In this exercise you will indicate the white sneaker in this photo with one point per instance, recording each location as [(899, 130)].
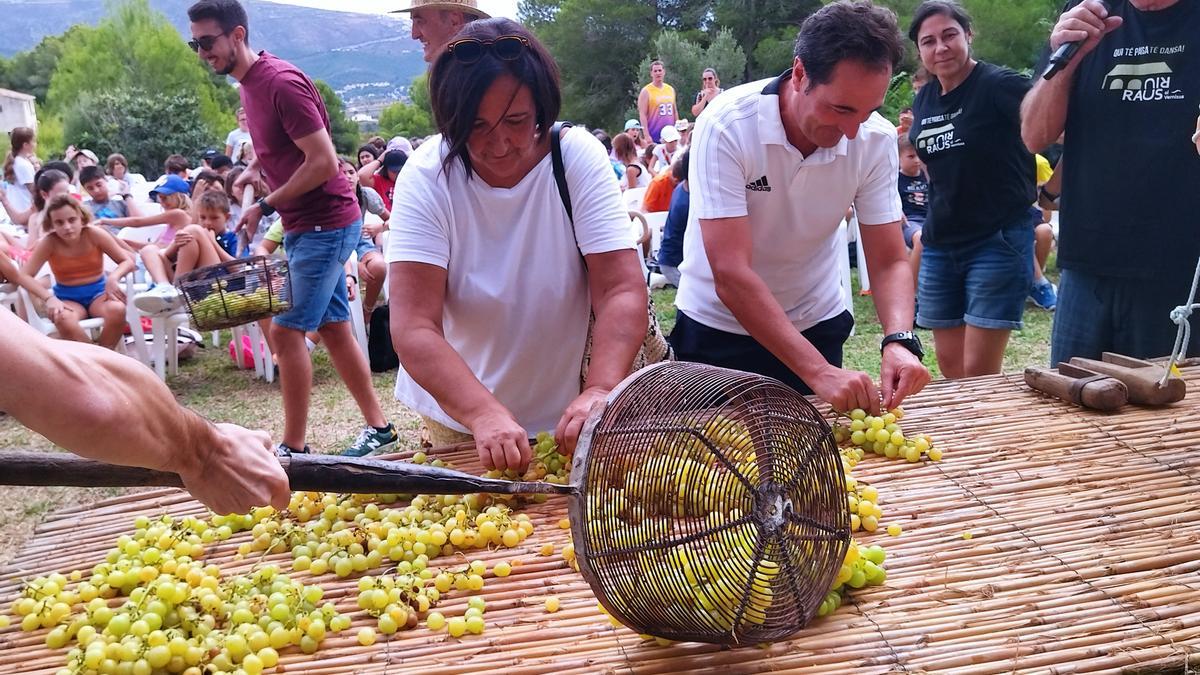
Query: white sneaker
[(161, 299)]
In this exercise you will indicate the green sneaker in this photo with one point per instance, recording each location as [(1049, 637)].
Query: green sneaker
[(372, 441)]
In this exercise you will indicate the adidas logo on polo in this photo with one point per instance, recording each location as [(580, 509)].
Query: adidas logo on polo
[(759, 185)]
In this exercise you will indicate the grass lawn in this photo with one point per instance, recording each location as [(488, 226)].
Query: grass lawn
[(214, 388), (1027, 347)]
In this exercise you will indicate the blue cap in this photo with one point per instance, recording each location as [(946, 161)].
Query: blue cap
[(170, 185)]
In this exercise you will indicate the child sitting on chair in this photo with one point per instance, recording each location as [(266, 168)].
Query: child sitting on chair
[(172, 195), (194, 246), (75, 250)]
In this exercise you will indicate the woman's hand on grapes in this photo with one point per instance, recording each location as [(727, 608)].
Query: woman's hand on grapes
[(501, 442), (566, 434)]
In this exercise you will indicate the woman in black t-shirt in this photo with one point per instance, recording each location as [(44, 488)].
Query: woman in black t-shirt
[(976, 267)]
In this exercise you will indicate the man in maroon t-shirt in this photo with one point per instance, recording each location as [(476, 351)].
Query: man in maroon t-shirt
[(322, 224)]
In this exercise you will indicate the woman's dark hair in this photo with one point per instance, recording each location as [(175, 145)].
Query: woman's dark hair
[(679, 170), (44, 181), (358, 187), (228, 14), (208, 177), (365, 148), (455, 88), (57, 165), (947, 8), (848, 30)]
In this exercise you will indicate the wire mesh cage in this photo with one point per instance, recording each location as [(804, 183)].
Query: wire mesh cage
[(712, 506), (236, 292)]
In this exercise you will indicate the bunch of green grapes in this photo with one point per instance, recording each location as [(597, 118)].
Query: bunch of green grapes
[(863, 566), (884, 436)]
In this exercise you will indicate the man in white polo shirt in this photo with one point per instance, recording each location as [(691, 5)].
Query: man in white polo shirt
[(775, 166)]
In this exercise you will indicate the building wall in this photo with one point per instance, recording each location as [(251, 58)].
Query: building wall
[(16, 112)]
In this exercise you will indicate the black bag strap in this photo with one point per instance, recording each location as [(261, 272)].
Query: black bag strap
[(560, 170)]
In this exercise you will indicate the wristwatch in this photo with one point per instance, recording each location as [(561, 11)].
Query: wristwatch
[(267, 209), (907, 339)]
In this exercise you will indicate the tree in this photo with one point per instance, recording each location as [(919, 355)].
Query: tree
[(404, 119), (597, 44), (29, 71), (145, 126), (761, 27), (343, 129), (686, 60), (135, 47)]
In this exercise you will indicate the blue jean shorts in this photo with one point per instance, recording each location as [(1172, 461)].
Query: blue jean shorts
[(84, 294), (317, 277), (983, 283), (365, 246)]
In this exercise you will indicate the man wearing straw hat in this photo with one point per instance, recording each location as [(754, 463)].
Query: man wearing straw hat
[(434, 22)]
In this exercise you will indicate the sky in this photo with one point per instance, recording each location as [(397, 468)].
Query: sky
[(494, 7)]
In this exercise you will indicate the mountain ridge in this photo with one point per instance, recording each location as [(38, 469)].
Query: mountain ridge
[(359, 55)]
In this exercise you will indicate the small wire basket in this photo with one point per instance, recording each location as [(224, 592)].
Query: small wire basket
[(236, 292)]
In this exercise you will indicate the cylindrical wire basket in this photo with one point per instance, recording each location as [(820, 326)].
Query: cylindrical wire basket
[(236, 292), (713, 508)]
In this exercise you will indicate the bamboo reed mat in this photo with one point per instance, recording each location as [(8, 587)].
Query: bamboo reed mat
[(1083, 558)]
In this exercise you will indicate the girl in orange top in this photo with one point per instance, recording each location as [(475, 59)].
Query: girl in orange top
[(75, 250)]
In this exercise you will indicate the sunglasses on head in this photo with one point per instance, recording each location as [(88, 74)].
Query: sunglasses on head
[(205, 42), (505, 48)]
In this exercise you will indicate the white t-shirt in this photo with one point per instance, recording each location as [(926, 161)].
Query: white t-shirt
[(643, 177), (664, 162), (20, 196), (742, 165), (517, 303), (236, 139)]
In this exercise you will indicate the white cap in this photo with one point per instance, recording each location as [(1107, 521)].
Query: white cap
[(668, 134)]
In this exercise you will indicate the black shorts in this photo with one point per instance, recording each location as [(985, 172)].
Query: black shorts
[(693, 341)]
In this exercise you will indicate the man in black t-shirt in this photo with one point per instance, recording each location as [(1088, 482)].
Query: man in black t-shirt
[(1129, 236)]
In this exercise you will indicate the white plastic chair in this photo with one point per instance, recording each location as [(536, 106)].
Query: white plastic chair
[(46, 327), (260, 350), (9, 299), (163, 352), (357, 322), (633, 198)]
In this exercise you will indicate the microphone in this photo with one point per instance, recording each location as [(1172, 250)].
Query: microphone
[(1066, 51)]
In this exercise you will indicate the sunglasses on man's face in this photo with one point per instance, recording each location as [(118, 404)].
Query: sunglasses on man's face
[(205, 42), (505, 48)]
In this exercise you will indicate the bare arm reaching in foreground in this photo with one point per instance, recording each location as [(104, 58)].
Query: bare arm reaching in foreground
[(108, 407)]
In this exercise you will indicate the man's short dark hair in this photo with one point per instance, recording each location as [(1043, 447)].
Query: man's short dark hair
[(220, 162), (602, 136), (679, 170), (228, 14), (176, 164), (90, 173), (947, 8), (848, 30)]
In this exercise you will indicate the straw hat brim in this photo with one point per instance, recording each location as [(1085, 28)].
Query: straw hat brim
[(452, 6)]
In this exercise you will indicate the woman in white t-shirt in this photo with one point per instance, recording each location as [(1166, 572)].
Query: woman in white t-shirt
[(491, 283), (24, 166)]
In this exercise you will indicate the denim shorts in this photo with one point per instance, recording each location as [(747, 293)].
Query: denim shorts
[(1098, 314), (365, 246), (982, 283), (84, 294), (318, 281)]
